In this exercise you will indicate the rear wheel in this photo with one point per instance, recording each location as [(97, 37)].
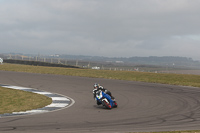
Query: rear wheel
[(115, 104)]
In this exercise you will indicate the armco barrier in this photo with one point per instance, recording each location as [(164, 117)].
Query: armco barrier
[(37, 63)]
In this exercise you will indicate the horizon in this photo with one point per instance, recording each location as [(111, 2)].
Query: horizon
[(101, 28), (38, 54)]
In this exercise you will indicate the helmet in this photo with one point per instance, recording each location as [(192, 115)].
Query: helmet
[(96, 85)]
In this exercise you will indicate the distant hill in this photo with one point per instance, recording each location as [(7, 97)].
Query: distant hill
[(151, 60), (165, 61)]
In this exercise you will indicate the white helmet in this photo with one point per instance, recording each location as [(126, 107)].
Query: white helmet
[(96, 85)]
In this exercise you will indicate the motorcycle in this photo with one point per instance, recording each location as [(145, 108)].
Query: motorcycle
[(105, 100)]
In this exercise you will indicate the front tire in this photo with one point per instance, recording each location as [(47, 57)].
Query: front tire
[(106, 104)]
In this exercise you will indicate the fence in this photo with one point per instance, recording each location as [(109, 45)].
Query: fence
[(59, 62)]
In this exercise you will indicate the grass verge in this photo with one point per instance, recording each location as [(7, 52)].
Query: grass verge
[(164, 78), (17, 100)]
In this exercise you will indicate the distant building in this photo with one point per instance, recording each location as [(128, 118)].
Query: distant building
[(55, 55), (96, 67), (119, 61)]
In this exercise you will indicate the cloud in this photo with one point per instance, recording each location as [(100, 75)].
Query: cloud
[(103, 28)]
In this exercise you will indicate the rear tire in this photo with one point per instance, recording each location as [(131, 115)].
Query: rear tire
[(115, 104)]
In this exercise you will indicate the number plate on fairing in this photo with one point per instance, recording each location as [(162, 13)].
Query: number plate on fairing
[(99, 94)]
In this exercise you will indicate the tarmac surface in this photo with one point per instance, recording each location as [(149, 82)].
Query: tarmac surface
[(142, 107)]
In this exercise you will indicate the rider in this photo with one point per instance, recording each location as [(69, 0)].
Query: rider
[(98, 87)]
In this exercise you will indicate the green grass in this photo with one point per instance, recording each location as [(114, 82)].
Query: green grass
[(17, 100), (164, 78)]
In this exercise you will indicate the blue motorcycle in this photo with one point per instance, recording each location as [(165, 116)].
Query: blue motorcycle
[(105, 100)]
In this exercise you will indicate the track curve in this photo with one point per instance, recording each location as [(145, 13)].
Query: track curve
[(142, 106), (58, 102)]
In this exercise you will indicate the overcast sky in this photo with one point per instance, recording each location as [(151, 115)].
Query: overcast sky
[(111, 28)]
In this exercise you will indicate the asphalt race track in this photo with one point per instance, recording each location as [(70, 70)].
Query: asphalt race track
[(141, 106)]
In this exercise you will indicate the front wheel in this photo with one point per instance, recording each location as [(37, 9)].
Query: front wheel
[(106, 104)]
